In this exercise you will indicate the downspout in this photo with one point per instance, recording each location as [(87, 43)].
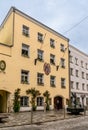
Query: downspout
[(13, 24), (69, 72)]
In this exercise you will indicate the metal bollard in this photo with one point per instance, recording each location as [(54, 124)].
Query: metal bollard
[(64, 112), (84, 111), (31, 116)]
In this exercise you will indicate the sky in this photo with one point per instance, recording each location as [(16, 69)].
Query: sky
[(68, 17)]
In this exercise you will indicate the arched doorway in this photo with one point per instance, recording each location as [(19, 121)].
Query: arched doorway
[(58, 102), (4, 96)]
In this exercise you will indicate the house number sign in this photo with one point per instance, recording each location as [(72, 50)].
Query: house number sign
[(2, 65), (47, 68)]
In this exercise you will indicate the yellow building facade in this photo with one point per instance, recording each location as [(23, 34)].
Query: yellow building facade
[(32, 55)]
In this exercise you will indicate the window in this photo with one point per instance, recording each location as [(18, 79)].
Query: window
[(62, 48), (40, 101), (76, 71), (40, 37), (77, 85), (87, 76), (24, 101), (24, 76), (40, 78), (25, 50), (63, 84), (50, 101), (25, 30), (76, 61), (71, 58), (86, 65), (52, 43), (40, 55), (83, 86), (82, 75), (52, 81), (62, 63), (52, 59), (71, 71), (72, 83), (82, 64), (87, 87)]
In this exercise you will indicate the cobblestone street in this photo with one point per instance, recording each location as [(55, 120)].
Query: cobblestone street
[(79, 123), (39, 117)]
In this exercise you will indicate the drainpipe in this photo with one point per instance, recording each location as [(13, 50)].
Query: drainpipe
[(13, 24)]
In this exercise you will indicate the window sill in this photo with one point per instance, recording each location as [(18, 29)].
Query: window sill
[(53, 85), (25, 34), (40, 84), (26, 56), (63, 87), (52, 63), (25, 83)]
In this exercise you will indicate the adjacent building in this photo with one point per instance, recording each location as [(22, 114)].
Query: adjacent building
[(32, 55), (79, 75)]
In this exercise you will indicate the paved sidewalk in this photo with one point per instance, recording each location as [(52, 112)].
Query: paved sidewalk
[(24, 118)]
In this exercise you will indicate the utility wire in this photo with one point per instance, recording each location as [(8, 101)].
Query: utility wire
[(75, 25)]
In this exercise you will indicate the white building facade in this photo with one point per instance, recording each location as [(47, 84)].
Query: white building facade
[(79, 75)]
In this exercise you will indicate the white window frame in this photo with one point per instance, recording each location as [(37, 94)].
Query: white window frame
[(40, 55), (40, 101), (63, 83), (52, 43), (25, 30), (40, 37), (62, 62), (25, 76), (53, 80), (23, 101), (25, 50), (40, 78), (52, 59), (62, 47)]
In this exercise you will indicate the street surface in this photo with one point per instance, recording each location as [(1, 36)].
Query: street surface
[(79, 123)]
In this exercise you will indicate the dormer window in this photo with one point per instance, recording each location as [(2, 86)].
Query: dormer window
[(40, 37)]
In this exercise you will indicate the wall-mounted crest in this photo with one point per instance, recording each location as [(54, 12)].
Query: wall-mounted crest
[(47, 68), (2, 65)]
